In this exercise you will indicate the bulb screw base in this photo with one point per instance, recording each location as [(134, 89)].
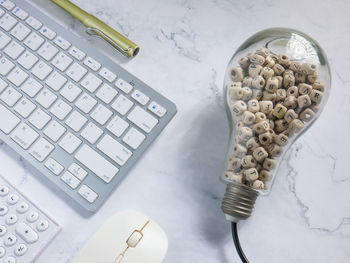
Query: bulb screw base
[(238, 202)]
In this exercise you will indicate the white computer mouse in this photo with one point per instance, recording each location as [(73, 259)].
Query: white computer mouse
[(127, 237)]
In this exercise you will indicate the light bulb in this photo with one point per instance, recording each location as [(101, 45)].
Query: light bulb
[(275, 87)]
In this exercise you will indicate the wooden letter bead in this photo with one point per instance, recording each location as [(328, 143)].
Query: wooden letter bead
[(318, 85), (304, 89), (248, 117), (247, 82), (239, 124), (265, 175), (257, 59), (266, 106), (316, 96), (281, 139), (257, 184), (258, 82), (281, 94), (239, 151), (239, 107), (244, 62), (304, 101), (261, 127), (252, 143), (234, 177), (269, 164), (274, 150), (248, 161), (236, 93), (257, 94), (237, 74), (280, 81), (254, 70), (269, 62), (288, 72), (271, 124), (278, 69), (281, 125), (288, 81), (245, 133), (288, 132), (300, 77), (308, 68), (296, 126), (260, 154), (269, 96), (279, 111), (292, 91), (265, 138), (295, 66), (272, 84), (259, 116), (267, 73), (234, 164), (247, 93), (263, 52), (307, 115), (290, 115), (314, 107), (253, 106), (284, 60), (311, 78), (251, 174), (290, 102)]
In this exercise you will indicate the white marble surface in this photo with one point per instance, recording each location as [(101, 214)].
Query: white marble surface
[(186, 45)]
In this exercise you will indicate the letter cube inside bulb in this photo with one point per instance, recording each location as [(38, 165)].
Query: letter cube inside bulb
[(304, 101), (267, 73), (290, 102), (234, 164), (259, 116), (292, 91), (278, 69), (235, 92), (239, 107), (311, 78), (254, 70), (247, 93), (290, 115), (239, 151), (265, 175), (252, 144), (296, 126), (318, 85), (307, 115), (251, 174), (244, 62), (295, 66), (272, 84), (266, 106), (281, 94), (274, 150), (281, 139), (269, 62), (248, 161), (304, 89), (281, 125), (279, 111), (258, 82), (269, 164), (260, 154), (316, 96), (265, 138), (237, 74), (257, 94), (269, 96), (288, 81), (245, 133), (248, 117), (257, 59), (308, 68), (253, 106), (284, 60), (300, 77), (259, 185), (261, 127), (247, 82), (263, 52)]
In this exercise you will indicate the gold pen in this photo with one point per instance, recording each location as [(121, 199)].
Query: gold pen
[(97, 27)]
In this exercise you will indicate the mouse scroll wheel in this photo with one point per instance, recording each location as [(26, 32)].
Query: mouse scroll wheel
[(134, 238)]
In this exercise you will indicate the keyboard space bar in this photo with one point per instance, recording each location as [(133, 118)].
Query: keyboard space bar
[(96, 163)]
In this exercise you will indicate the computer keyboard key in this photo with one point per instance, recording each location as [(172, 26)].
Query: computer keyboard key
[(91, 133), (9, 5), (3, 211), (13, 50), (142, 119), (46, 98), (31, 87), (88, 193), (34, 23), (157, 109), (70, 143), (27, 60), (7, 22), (20, 250), (76, 72), (117, 126), (11, 219), (33, 41), (39, 118), (114, 150), (70, 180), (20, 31), (92, 63), (26, 232), (42, 225), (24, 136), (122, 104), (101, 114), (20, 13), (76, 121), (54, 166), (4, 190), (47, 51), (62, 61), (2, 252), (85, 103), (54, 131), (106, 93), (77, 171), (8, 120), (47, 32), (3, 85), (70, 92), (134, 138), (60, 109), (10, 260), (77, 53), (10, 96), (91, 82), (32, 216), (12, 199), (9, 241), (22, 207), (123, 85), (4, 40), (140, 97), (41, 70), (41, 149), (5, 66), (96, 163), (62, 43), (107, 74), (55, 81), (24, 107), (17, 76)]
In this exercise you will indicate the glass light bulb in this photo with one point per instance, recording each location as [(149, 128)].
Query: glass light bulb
[(276, 85)]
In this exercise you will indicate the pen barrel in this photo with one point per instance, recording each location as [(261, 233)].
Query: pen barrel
[(72, 9)]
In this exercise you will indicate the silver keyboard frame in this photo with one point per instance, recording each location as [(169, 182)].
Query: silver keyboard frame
[(103, 189)]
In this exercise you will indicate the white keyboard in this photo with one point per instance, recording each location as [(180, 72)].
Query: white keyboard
[(76, 116), (24, 229)]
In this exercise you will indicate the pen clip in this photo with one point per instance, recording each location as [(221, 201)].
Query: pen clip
[(100, 33)]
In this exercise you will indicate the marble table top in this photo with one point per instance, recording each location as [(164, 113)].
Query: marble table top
[(186, 45)]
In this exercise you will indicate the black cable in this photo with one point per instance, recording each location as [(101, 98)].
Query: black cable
[(237, 243)]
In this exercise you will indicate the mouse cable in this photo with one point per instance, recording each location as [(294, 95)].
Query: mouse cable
[(237, 243)]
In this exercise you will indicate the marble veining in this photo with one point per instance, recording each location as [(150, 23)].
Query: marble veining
[(186, 45)]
